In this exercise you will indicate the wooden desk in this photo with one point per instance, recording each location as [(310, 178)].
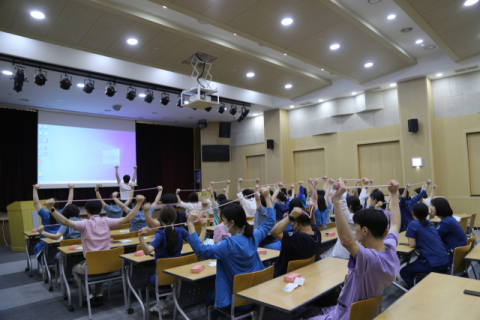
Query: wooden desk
[(320, 277), (119, 232), (331, 238), (474, 255), (439, 297), (402, 248), (461, 215)]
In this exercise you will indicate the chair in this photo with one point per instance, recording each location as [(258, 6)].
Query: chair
[(65, 243), (472, 240), (121, 227), (100, 266), (297, 264), (125, 235), (163, 279), (242, 282), (472, 224), (463, 223), (459, 265), (366, 309), (250, 218), (331, 225)]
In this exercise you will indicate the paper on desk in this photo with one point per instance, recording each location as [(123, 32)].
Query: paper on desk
[(212, 264), (457, 218), (125, 241), (124, 231), (299, 281), (290, 287), (80, 248)]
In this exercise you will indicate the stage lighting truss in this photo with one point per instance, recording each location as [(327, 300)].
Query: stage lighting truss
[(222, 108), (148, 96), (233, 110)]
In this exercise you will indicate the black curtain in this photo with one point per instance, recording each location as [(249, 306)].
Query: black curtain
[(164, 157)]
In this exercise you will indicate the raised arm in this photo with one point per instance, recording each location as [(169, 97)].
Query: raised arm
[(151, 223), (52, 236), (203, 231), (404, 195), (277, 230), (145, 247), (228, 188), (159, 196), (344, 233), (432, 194), (315, 196), (258, 201), (57, 215), (211, 195), (120, 203), (70, 193), (177, 193), (395, 216), (277, 190), (117, 175), (36, 202), (355, 190), (130, 197), (134, 174), (325, 183), (99, 196), (133, 212), (239, 185), (300, 190)]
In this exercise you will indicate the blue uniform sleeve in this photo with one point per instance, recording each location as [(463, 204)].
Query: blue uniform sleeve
[(61, 210), (403, 202), (151, 210), (157, 241), (184, 233), (300, 193), (442, 229), (219, 251), (63, 230), (108, 208), (45, 215), (418, 197), (411, 231), (262, 210), (265, 228)]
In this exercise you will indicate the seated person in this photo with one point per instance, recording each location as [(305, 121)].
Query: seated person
[(193, 203), (246, 199), (221, 230), (113, 211), (139, 221), (279, 203), (448, 229), (167, 199), (370, 268), (377, 201), (406, 203), (422, 235)]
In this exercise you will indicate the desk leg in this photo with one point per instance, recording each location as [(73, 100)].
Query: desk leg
[(124, 282), (135, 294), (262, 311), (399, 286), (29, 261), (175, 300), (45, 262), (65, 282)]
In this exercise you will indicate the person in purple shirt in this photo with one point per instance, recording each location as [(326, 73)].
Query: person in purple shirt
[(406, 203), (370, 268)]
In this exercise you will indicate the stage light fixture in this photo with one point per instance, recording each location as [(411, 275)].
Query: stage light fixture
[(65, 81), (233, 110), (208, 109), (179, 103), (89, 85), (19, 79), (131, 93), (148, 96), (110, 89), (165, 98), (40, 77), (244, 114), (222, 108)]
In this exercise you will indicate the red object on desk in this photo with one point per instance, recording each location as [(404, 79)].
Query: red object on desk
[(73, 247), (262, 251), (34, 231), (139, 253), (290, 278), (329, 234), (111, 240), (197, 268)]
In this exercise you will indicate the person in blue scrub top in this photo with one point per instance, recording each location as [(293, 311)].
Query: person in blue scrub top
[(139, 221), (112, 209), (448, 229), (422, 235), (48, 221), (236, 254), (406, 203)]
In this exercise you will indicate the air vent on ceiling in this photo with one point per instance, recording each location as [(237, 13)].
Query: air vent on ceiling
[(472, 68), (306, 103), (466, 69), (374, 89), (460, 70), (202, 56)]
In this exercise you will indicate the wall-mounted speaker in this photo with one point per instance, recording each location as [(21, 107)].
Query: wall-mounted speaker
[(270, 144), (413, 125), (224, 129)]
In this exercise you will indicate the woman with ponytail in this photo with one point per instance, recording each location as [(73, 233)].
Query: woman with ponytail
[(422, 235), (236, 254), (167, 243)]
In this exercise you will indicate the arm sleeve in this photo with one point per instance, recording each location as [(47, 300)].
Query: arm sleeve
[(219, 251), (80, 225), (112, 223), (411, 231), (151, 210), (63, 230), (157, 241), (442, 229), (265, 228), (363, 196), (108, 208), (44, 215), (262, 211), (418, 197), (300, 193), (242, 201), (346, 212), (186, 206)]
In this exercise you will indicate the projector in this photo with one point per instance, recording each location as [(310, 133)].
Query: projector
[(196, 97), (199, 98)]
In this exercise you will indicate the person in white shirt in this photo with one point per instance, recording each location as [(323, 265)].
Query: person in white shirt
[(125, 183), (249, 204), (193, 203)]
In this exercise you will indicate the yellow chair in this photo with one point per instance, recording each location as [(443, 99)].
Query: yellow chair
[(65, 243), (163, 279), (121, 227), (472, 239), (331, 225), (242, 282), (366, 309), (463, 223), (472, 224), (100, 266), (459, 265), (125, 235), (297, 264), (250, 218)]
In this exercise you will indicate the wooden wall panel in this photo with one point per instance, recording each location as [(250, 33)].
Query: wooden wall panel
[(381, 162), (309, 164), (255, 169), (473, 143)]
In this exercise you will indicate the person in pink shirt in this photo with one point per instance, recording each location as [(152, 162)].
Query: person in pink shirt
[(95, 233), (370, 268), (221, 231)]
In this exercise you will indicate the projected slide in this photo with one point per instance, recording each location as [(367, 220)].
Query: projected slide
[(83, 156)]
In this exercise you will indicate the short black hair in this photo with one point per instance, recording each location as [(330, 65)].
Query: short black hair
[(379, 196), (247, 192), (354, 202), (401, 190), (442, 207), (93, 207), (418, 190), (374, 220), (281, 197), (283, 190), (295, 203), (221, 197), (70, 211), (271, 192), (168, 198), (215, 195), (303, 220), (237, 214), (193, 197), (420, 210), (126, 178)]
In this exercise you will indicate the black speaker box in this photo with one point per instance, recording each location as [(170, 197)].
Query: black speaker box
[(270, 144), (413, 125), (224, 130)]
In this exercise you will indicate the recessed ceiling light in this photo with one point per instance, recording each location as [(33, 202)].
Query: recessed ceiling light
[(334, 46), (374, 1), (393, 84), (323, 69), (234, 34), (108, 110), (439, 74), (405, 30), (132, 41), (429, 47), (419, 41), (354, 93), (164, 7), (250, 74), (292, 106), (422, 45), (470, 2), (7, 73), (80, 85), (287, 21), (288, 86), (37, 15), (255, 114), (284, 54), (368, 64), (321, 100), (142, 95), (391, 17)]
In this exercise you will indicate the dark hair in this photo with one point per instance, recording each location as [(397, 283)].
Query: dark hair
[(221, 197), (418, 190), (295, 203), (271, 192), (168, 215), (247, 192), (262, 200), (442, 207), (374, 220), (215, 195), (168, 198), (401, 190), (236, 214), (320, 192), (420, 210), (354, 202), (303, 220), (322, 206), (283, 190), (126, 178), (193, 197), (289, 192), (93, 207), (379, 196), (70, 210), (281, 197)]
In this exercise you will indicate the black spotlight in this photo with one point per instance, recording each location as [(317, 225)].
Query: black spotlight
[(40, 77), (208, 109), (165, 98), (89, 86), (65, 81), (148, 96), (222, 108), (233, 110), (244, 114), (19, 79), (131, 93), (179, 103), (110, 89)]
